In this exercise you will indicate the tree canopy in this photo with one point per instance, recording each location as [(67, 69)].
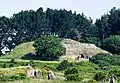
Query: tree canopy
[(49, 48), (29, 25), (112, 44), (106, 60)]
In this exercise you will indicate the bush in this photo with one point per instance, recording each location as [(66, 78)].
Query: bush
[(48, 67), (11, 65), (112, 44), (72, 74), (64, 65), (106, 60), (18, 77), (4, 65), (31, 63), (93, 40), (49, 48), (14, 77), (92, 81), (115, 72), (12, 61), (71, 71), (87, 67), (100, 76), (73, 77), (22, 75), (101, 59)]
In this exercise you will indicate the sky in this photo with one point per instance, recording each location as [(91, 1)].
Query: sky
[(91, 8)]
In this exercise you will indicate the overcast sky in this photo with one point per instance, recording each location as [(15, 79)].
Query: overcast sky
[(91, 8)]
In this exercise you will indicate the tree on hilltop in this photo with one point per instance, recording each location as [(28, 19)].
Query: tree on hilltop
[(49, 48)]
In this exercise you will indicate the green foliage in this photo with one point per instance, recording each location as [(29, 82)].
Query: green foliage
[(71, 71), (31, 63), (100, 59), (39, 64), (115, 72), (12, 60), (20, 51), (73, 77), (81, 70), (100, 76), (61, 23), (102, 27), (106, 59), (11, 65), (49, 48), (64, 65), (92, 81), (4, 65), (15, 77), (94, 40), (87, 67), (112, 44), (4, 78), (22, 76), (29, 25), (12, 77), (72, 74)]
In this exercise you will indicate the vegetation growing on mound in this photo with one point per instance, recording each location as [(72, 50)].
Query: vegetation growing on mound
[(83, 72), (20, 51), (112, 44), (72, 74), (101, 76), (106, 60), (49, 48), (64, 65)]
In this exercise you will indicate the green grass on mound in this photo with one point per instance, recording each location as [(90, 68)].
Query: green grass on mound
[(20, 50)]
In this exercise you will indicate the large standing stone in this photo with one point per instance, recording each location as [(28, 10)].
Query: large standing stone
[(51, 75), (112, 79)]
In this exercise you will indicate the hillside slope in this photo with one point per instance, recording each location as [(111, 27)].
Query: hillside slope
[(20, 50), (73, 49)]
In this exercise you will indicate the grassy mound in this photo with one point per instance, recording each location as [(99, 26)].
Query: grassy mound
[(26, 50), (20, 51)]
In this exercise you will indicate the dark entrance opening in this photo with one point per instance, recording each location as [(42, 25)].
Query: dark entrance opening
[(82, 56)]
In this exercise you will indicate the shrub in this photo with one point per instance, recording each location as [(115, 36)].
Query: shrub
[(100, 76), (106, 60), (11, 65), (4, 65), (71, 71), (112, 44), (87, 67), (14, 77), (48, 67), (92, 81), (4, 78), (72, 74), (22, 75), (31, 63), (12, 61), (115, 72), (49, 48), (74, 77), (63, 65)]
